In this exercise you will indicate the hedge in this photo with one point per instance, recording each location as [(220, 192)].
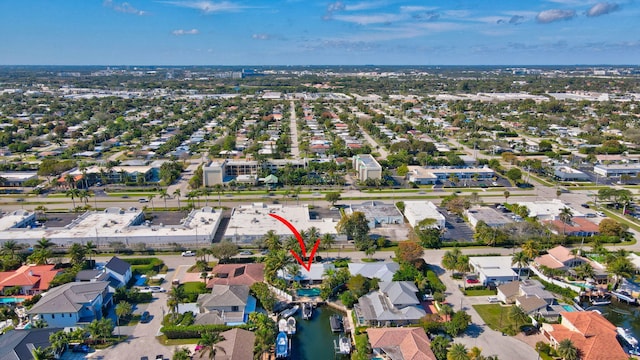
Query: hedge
[(194, 331), (144, 261)]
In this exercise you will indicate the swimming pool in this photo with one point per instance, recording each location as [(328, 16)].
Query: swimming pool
[(10, 300), (309, 292), (141, 280), (569, 308)]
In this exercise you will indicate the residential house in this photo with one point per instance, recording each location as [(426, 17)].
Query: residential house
[(92, 275), (576, 227), (393, 304), (236, 274), (72, 304), (27, 280), (383, 271), (400, 343), (314, 275), (561, 258), (237, 345), (18, 344), (493, 269), (119, 270), (232, 303), (590, 332), (529, 295)]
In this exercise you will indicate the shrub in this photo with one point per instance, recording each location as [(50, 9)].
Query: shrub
[(194, 331)]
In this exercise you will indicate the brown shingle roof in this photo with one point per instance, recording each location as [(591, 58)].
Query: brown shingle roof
[(410, 343), (237, 274)]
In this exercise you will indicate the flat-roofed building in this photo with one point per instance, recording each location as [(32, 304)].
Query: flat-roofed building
[(114, 224), (548, 210), (496, 269), (250, 222), (423, 175), (613, 170), (567, 173), (245, 171), (367, 167), (416, 211), (488, 215), (377, 213), (17, 178)]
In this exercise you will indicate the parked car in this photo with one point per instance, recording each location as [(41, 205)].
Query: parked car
[(493, 299), (529, 330), (156, 289), (159, 357), (473, 281), (586, 206), (145, 317), (188, 253), (427, 296), (143, 200), (600, 213)]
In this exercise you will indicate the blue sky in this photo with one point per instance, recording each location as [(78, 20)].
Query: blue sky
[(310, 32)]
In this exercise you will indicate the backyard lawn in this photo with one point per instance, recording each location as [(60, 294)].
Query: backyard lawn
[(496, 315)]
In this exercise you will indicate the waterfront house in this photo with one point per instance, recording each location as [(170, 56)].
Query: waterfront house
[(72, 304), (381, 270), (17, 344), (400, 343), (394, 304), (232, 303)]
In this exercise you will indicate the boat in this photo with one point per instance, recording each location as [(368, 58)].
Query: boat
[(336, 323), (282, 346), (344, 345), (627, 336), (624, 296), (282, 325), (291, 325), (307, 311), (290, 312), (600, 300)]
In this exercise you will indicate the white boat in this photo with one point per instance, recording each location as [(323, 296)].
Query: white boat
[(344, 345), (282, 346), (291, 325), (289, 312), (599, 301), (624, 296), (627, 336), (307, 311), (282, 325)]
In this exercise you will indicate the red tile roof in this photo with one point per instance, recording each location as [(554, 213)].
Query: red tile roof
[(236, 274), (37, 276), (590, 333), (412, 343)]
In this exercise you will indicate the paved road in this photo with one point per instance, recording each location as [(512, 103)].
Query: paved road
[(374, 144), (293, 129)]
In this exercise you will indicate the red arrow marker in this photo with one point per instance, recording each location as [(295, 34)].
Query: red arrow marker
[(300, 241)]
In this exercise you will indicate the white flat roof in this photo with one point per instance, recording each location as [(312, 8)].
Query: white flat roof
[(493, 266), (11, 219), (548, 208), (254, 220), (420, 210)]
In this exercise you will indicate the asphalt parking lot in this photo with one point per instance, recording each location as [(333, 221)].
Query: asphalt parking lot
[(456, 228)]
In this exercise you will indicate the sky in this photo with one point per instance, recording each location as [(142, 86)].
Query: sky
[(311, 32)]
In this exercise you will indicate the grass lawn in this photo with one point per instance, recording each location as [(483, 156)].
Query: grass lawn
[(194, 287), (172, 342), (480, 292), (495, 315)]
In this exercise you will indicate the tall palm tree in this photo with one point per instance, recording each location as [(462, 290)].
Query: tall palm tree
[(123, 309), (77, 254), (176, 296), (327, 241), (506, 196), (176, 195), (450, 258), (150, 198), (90, 248), (44, 243), (42, 353), (272, 241), (164, 195), (520, 259), (457, 352), (208, 342), (73, 194), (530, 249), (567, 350), (565, 216), (517, 315), (59, 341), (10, 247)]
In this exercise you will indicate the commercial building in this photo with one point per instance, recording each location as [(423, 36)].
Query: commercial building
[(548, 210), (377, 213), (17, 178), (490, 216), (416, 211), (615, 170), (423, 175), (250, 222), (566, 173), (243, 171), (367, 167), (112, 224)]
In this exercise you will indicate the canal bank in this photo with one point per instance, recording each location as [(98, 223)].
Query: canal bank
[(313, 339)]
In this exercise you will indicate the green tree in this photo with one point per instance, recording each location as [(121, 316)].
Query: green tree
[(224, 250), (209, 341), (59, 341), (567, 350), (457, 352), (514, 174), (518, 316), (90, 249), (42, 353), (44, 243), (450, 259), (164, 195), (326, 242), (123, 309), (10, 247), (458, 323), (182, 353), (356, 227), (519, 259), (77, 254), (439, 346), (332, 197)]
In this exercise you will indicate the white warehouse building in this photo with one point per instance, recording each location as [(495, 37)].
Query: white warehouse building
[(416, 211)]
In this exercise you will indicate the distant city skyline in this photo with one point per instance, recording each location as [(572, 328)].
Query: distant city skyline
[(301, 32)]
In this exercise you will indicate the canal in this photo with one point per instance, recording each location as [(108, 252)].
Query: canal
[(313, 339)]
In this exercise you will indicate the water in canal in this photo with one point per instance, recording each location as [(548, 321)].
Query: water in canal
[(313, 339), (622, 315)]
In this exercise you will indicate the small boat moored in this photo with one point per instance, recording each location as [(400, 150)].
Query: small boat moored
[(282, 346), (290, 312), (336, 323), (344, 345), (291, 325), (282, 325), (599, 301), (307, 310), (627, 336)]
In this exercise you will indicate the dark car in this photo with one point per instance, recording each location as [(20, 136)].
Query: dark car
[(82, 348), (145, 317), (586, 206), (529, 330)]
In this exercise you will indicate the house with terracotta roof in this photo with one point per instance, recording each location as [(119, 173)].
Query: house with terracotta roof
[(409, 343), (577, 227), (590, 332), (30, 279), (236, 274), (560, 258)]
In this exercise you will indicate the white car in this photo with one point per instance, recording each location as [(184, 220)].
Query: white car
[(188, 253), (600, 213), (493, 299), (156, 289)]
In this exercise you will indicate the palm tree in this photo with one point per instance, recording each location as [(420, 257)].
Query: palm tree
[(450, 258), (73, 194), (175, 297), (76, 254), (530, 249), (272, 241), (41, 353), (123, 309), (457, 352), (164, 195), (567, 350), (520, 259), (208, 342), (43, 243), (68, 178), (150, 198), (90, 248), (506, 196), (565, 216), (10, 247), (517, 315), (476, 353), (327, 241), (59, 341), (176, 195)]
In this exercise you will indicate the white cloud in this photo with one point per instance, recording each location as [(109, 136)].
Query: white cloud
[(124, 7), (261, 36), (370, 19), (365, 5), (550, 16), (602, 8), (180, 32), (208, 7), (457, 13), (416, 8)]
